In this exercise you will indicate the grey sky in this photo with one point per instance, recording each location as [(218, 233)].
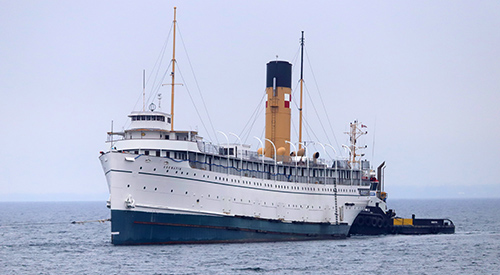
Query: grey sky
[(423, 75)]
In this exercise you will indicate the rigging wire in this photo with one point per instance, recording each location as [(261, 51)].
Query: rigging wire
[(322, 101), (156, 68), (162, 54), (197, 84), (256, 113), (155, 92), (194, 104), (317, 114), (297, 107)]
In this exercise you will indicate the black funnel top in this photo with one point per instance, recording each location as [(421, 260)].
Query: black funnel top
[(282, 71)]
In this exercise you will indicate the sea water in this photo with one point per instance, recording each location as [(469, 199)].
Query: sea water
[(40, 238)]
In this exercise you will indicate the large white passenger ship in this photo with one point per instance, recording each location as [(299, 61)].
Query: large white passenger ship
[(169, 186)]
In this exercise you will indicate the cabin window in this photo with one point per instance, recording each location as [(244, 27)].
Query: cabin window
[(168, 120), (157, 153), (167, 137), (146, 153)]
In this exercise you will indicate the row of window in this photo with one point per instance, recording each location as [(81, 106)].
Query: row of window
[(149, 118), (261, 184), (254, 169)]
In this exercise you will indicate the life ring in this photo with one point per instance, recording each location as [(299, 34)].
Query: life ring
[(374, 222), (379, 222), (361, 221)]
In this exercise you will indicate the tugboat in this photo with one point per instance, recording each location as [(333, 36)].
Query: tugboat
[(376, 219)]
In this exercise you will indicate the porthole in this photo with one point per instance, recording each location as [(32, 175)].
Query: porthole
[(128, 185), (156, 188), (171, 190), (140, 168), (144, 188), (154, 169), (186, 192)]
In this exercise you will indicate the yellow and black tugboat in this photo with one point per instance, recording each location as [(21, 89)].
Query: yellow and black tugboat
[(376, 219)]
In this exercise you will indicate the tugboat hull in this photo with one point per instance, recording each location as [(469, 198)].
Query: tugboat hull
[(373, 221)]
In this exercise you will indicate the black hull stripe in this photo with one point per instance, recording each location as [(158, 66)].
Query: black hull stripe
[(239, 229)]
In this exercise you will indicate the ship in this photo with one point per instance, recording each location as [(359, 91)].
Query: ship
[(170, 186)]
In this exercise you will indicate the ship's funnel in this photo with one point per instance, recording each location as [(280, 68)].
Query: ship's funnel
[(278, 105)]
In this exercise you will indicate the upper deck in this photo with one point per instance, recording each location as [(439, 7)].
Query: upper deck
[(149, 134)]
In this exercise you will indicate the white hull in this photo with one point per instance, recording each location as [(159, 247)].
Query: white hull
[(163, 185)]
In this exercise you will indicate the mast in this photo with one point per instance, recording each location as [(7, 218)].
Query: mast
[(356, 131), (173, 76), (301, 87)]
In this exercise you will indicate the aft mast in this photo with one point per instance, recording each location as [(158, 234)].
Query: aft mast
[(301, 87)]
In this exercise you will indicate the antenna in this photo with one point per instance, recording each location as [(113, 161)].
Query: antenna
[(143, 90)]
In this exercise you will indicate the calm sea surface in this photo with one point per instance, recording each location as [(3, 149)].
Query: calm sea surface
[(39, 238)]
